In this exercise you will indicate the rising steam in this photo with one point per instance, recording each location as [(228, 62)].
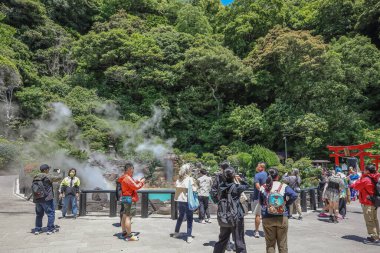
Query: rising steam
[(140, 138)]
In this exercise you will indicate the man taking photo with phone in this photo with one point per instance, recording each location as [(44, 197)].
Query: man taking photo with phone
[(129, 187)]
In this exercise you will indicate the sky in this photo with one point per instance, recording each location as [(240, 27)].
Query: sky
[(227, 1)]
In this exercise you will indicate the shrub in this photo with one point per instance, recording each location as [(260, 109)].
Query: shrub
[(241, 162), (209, 160), (262, 154), (189, 157), (8, 153)]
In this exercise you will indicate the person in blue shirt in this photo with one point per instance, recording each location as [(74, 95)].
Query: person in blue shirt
[(259, 180), (276, 225)]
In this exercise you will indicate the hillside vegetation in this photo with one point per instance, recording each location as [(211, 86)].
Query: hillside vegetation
[(230, 80)]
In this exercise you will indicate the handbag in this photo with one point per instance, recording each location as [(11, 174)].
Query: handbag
[(126, 199), (192, 198)]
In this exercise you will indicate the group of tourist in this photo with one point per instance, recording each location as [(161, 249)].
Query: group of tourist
[(43, 196), (339, 189), (271, 201)]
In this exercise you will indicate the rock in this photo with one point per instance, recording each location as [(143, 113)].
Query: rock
[(111, 176), (101, 197), (94, 207), (164, 210)]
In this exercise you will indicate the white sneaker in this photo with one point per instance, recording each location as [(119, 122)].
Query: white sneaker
[(203, 222), (256, 235), (132, 238), (52, 231), (189, 239), (208, 221), (176, 235)]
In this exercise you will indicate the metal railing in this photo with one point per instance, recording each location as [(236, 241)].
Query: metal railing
[(310, 199), (144, 201)]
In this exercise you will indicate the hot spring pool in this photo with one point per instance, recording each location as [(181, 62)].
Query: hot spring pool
[(160, 196)]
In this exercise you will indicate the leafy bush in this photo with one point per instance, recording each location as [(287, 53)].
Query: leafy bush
[(209, 159), (189, 157), (303, 163), (262, 154), (241, 162), (8, 153), (308, 173)]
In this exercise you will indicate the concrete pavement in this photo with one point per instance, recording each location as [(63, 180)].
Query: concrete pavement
[(95, 234)]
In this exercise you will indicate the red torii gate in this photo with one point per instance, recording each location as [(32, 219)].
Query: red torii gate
[(353, 150)]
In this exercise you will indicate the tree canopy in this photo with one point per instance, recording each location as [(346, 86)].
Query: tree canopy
[(233, 80)]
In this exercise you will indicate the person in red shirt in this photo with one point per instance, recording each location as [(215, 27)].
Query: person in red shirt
[(129, 187), (366, 188)]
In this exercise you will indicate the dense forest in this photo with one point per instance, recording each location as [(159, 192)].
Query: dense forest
[(229, 80)]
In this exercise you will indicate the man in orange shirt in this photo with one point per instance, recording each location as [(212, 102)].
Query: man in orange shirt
[(129, 197)]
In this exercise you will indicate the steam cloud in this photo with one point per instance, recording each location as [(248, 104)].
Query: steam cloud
[(43, 148)]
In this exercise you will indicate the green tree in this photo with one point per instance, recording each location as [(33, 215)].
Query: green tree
[(247, 123), (373, 136), (199, 112), (302, 13), (222, 79), (300, 64), (122, 20), (360, 61), (110, 7), (34, 100), (335, 18), (368, 21), (192, 20), (211, 8), (76, 14), (20, 13), (246, 21)]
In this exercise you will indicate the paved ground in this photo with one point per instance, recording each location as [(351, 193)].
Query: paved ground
[(95, 234)]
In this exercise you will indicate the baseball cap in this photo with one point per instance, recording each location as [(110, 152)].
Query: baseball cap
[(44, 167)]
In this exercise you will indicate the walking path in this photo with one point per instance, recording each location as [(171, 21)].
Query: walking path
[(95, 234)]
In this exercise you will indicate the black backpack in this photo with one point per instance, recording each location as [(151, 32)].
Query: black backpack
[(227, 210), (38, 189), (215, 189), (333, 185), (375, 198), (118, 190)]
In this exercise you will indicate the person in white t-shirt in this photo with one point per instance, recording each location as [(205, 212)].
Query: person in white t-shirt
[(182, 185)]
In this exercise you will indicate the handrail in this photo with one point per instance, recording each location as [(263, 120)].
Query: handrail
[(168, 190), (98, 191), (174, 209)]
